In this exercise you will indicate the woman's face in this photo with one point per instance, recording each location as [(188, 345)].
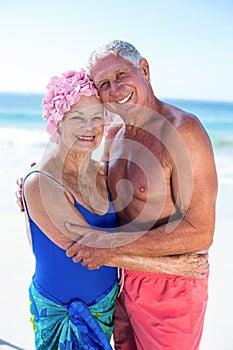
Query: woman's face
[(83, 126)]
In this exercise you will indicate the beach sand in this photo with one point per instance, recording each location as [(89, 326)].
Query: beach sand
[(17, 265)]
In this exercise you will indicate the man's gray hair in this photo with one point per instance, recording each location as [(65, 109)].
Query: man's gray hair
[(115, 47)]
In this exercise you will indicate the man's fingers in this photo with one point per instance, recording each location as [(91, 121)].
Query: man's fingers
[(19, 182), (21, 207), (68, 226), (93, 266), (72, 250), (76, 259), (18, 194), (203, 267), (81, 256)]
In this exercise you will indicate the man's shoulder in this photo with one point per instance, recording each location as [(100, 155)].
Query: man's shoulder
[(179, 118), (181, 125)]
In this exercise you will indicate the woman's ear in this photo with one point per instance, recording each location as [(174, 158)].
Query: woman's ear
[(59, 125), (58, 130), (144, 66)]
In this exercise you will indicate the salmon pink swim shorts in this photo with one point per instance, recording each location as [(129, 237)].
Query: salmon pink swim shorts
[(158, 311)]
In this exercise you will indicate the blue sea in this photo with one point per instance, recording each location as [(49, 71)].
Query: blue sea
[(22, 136)]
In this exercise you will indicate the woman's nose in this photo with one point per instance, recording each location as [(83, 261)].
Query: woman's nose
[(88, 124)]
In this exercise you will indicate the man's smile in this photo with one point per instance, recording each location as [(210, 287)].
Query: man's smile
[(126, 99)]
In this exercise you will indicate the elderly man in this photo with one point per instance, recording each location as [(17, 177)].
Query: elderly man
[(162, 180)]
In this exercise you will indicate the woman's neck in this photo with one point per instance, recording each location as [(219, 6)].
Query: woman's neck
[(81, 175), (71, 164)]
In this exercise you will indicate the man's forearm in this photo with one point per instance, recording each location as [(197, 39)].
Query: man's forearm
[(188, 265), (175, 238), (155, 251)]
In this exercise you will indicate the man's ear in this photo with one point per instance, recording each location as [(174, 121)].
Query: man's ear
[(144, 66)]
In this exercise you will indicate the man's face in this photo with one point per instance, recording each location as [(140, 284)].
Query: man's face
[(122, 87)]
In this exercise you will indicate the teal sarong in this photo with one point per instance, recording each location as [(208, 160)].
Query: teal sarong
[(73, 326)]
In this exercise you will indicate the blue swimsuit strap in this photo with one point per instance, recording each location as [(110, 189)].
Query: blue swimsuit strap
[(31, 172), (76, 203)]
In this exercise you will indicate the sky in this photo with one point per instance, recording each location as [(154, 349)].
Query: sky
[(188, 44)]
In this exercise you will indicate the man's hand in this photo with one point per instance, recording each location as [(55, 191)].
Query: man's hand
[(92, 249), (18, 194), (91, 257), (193, 265)]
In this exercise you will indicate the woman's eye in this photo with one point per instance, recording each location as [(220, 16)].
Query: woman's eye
[(98, 118), (77, 117)]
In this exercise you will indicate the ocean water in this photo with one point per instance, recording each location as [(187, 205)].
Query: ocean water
[(22, 137)]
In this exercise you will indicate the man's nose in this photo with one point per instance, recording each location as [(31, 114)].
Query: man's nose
[(114, 88)]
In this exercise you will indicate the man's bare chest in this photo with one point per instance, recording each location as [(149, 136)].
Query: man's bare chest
[(137, 172)]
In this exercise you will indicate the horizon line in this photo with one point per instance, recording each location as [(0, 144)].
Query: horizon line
[(161, 97)]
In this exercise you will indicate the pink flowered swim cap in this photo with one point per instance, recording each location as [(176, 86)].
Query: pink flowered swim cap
[(63, 93)]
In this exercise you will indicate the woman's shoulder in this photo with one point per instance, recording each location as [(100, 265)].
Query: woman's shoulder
[(31, 178), (31, 188), (38, 178)]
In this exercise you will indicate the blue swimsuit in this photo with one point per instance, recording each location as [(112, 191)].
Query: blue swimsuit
[(60, 280)]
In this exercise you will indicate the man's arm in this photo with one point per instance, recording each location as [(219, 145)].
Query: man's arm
[(194, 231), (188, 265), (194, 188)]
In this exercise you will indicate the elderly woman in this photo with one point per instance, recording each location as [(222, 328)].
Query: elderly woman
[(71, 306)]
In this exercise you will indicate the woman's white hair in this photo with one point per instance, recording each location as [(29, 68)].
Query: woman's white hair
[(115, 47)]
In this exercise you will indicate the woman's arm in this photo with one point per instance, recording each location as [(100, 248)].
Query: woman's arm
[(50, 206)]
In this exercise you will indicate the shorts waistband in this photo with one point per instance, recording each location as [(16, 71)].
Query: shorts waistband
[(128, 272)]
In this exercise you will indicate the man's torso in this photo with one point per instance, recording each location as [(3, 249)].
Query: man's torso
[(140, 178)]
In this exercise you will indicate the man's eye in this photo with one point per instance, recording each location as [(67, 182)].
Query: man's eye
[(104, 85), (121, 75)]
